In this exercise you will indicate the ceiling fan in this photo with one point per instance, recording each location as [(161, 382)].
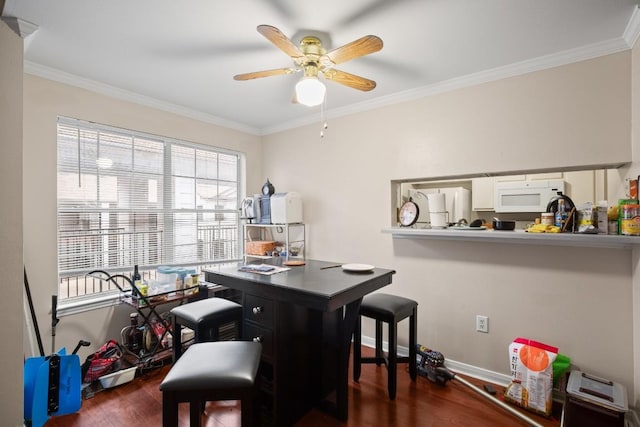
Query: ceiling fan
[(313, 59)]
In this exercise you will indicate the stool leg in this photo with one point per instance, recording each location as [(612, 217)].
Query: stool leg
[(169, 409), (177, 339), (379, 352), (246, 411), (214, 333), (200, 333), (195, 413), (413, 327), (357, 349), (239, 329), (393, 363)]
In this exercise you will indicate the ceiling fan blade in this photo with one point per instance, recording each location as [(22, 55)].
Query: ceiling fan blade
[(281, 41), (265, 73), (363, 46), (349, 79)]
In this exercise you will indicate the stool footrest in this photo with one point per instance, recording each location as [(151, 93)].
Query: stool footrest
[(399, 359), (376, 360)]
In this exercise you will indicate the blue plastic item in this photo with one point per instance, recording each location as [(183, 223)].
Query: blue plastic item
[(37, 387), (180, 271)]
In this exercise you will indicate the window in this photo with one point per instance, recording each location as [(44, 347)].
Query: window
[(127, 198)]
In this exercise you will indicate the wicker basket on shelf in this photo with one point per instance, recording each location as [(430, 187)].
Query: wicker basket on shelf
[(260, 247)]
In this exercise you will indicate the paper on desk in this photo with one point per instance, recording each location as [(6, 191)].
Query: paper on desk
[(265, 269)]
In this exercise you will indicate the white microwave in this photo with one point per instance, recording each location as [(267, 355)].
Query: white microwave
[(525, 196)]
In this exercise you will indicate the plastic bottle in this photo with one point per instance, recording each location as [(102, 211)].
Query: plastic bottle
[(561, 214), (188, 283), (134, 335), (195, 283), (140, 285), (144, 291), (179, 285)]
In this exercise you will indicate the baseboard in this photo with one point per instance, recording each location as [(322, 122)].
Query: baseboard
[(632, 418), (457, 367)]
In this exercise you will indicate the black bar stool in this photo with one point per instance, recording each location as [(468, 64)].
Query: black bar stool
[(206, 317), (390, 309), (210, 371)]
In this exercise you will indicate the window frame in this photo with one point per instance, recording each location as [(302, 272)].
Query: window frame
[(105, 298)]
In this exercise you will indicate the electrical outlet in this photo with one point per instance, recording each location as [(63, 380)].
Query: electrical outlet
[(482, 324)]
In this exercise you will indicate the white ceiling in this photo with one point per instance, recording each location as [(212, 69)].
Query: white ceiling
[(182, 55)]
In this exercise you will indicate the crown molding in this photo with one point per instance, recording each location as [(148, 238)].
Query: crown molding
[(537, 64), (519, 68), (19, 26), (632, 31), (125, 95)]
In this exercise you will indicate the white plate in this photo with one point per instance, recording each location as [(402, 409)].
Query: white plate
[(357, 267)]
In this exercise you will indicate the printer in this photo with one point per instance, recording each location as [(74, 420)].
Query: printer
[(286, 208)]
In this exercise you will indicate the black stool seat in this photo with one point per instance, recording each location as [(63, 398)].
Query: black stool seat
[(222, 370), (390, 309), (387, 307), (205, 318)]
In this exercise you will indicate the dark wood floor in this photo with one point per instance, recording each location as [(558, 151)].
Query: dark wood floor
[(422, 403)]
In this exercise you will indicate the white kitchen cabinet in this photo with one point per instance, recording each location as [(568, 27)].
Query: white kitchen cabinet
[(482, 194), (507, 178), (581, 186), (546, 175)]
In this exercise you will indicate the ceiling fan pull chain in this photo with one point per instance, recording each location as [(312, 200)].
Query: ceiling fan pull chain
[(323, 116)]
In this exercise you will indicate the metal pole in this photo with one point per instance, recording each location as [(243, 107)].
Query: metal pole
[(33, 313), (498, 402), (54, 322)]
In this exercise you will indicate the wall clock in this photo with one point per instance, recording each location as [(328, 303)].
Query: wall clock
[(408, 214)]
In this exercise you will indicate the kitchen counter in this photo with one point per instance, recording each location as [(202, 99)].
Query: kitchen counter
[(517, 237)]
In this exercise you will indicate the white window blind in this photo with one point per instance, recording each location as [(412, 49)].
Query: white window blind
[(127, 198)]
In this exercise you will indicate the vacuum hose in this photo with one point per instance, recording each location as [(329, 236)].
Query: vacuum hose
[(498, 402), (431, 365)]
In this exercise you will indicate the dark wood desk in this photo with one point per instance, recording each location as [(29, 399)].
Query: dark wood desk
[(305, 319)]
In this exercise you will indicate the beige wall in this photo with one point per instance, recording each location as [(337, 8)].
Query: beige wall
[(634, 171), (573, 115), (11, 313), (44, 101), (577, 299)]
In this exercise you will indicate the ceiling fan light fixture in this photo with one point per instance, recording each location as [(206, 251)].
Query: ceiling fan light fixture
[(310, 91)]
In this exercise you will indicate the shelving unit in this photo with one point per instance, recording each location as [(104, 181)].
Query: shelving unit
[(287, 235), (146, 308)]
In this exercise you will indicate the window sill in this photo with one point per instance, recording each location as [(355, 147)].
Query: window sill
[(83, 304)]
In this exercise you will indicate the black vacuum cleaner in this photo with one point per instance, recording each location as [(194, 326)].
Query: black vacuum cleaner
[(431, 366)]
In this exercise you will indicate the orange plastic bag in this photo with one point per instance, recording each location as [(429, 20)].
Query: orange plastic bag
[(532, 375)]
